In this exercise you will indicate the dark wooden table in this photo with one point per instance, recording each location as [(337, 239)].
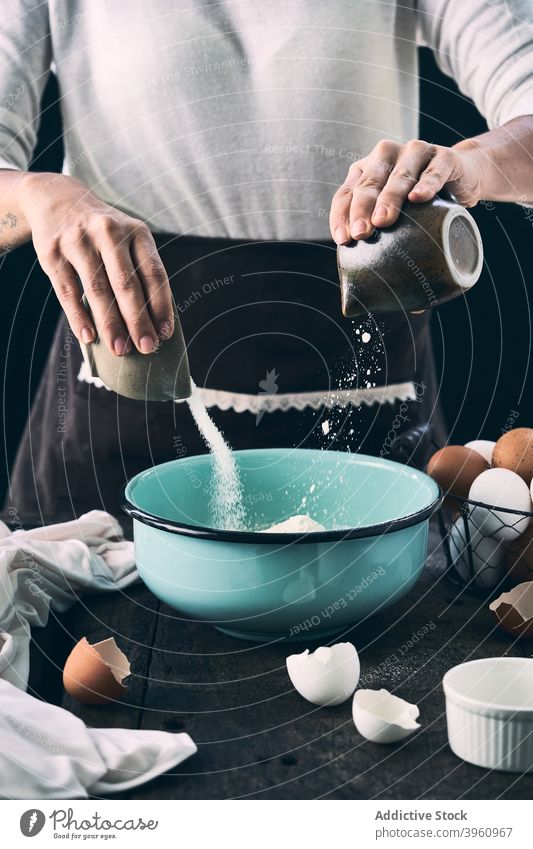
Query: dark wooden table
[(256, 737)]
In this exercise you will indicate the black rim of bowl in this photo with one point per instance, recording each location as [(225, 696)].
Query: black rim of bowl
[(220, 535)]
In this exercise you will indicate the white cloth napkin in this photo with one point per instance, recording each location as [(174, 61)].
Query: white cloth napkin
[(48, 753), (46, 569), (45, 751)]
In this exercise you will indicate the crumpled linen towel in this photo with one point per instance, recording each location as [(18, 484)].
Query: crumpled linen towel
[(47, 569), (45, 751), (48, 753)]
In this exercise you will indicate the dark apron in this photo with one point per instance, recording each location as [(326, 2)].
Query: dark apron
[(258, 318)]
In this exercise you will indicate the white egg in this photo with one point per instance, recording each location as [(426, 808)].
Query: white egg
[(485, 447), (383, 718), (487, 566), (327, 676), (501, 488)]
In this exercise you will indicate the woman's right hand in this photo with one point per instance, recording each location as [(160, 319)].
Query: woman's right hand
[(79, 238)]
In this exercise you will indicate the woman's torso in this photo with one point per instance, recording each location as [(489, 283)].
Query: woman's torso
[(236, 119)]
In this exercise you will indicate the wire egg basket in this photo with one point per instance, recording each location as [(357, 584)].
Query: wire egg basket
[(483, 543), (479, 539)]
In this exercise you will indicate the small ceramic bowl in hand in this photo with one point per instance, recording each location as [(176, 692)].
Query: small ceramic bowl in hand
[(431, 254), (264, 586), (489, 710)]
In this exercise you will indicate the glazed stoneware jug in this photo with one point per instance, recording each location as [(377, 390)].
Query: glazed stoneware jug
[(431, 254), (161, 376)]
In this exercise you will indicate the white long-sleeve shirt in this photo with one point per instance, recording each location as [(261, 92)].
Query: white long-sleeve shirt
[(240, 118)]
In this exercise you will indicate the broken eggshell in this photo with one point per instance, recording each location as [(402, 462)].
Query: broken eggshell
[(94, 674), (514, 610), (383, 718), (326, 677)]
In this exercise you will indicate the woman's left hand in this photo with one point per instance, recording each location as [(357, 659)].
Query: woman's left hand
[(377, 186)]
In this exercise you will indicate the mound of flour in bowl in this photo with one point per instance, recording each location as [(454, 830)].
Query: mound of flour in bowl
[(301, 524)]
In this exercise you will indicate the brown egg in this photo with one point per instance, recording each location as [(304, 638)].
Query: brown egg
[(455, 468), (514, 450), (93, 674), (514, 610), (519, 559)]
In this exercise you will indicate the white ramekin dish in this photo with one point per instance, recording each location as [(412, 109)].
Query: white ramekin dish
[(489, 710)]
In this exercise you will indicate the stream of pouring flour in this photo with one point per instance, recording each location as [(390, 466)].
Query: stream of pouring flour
[(227, 501), (227, 498)]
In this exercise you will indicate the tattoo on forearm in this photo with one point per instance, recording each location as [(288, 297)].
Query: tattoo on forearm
[(10, 99), (8, 222)]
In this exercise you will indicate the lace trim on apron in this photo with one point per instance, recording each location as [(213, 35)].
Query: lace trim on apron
[(263, 403), (240, 402)]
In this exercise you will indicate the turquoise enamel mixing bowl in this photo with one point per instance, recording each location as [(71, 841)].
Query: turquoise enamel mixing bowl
[(270, 586)]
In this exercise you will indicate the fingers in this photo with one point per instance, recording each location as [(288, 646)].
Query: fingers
[(67, 289), (154, 280), (434, 177), (339, 217), (80, 238), (88, 263), (413, 159), (116, 292), (354, 203), (376, 173), (129, 294), (377, 186)]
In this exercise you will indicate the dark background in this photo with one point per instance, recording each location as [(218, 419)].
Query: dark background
[(483, 342)]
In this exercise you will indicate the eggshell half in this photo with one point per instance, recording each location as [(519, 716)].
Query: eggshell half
[(383, 718), (514, 450), (93, 674), (485, 447), (514, 610), (327, 676), (501, 488)]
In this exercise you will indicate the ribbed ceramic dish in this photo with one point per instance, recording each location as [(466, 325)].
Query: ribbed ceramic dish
[(489, 711)]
